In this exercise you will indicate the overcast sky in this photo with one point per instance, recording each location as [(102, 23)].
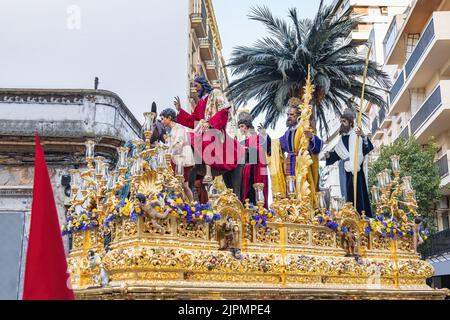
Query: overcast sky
[(138, 48)]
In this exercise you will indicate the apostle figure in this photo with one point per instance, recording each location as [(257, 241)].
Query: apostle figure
[(283, 153), (213, 147), (345, 153), (255, 168), (179, 147)]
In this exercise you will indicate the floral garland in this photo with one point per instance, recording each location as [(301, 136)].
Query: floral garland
[(260, 216), (190, 212), (126, 209), (328, 220), (80, 222), (385, 228)]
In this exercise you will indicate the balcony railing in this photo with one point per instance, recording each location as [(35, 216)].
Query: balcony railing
[(433, 102), (374, 126), (424, 41), (427, 37), (405, 133), (382, 115), (436, 245), (442, 165), (391, 35), (199, 16), (396, 87)]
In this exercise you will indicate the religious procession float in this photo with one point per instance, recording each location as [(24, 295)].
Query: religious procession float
[(136, 235)]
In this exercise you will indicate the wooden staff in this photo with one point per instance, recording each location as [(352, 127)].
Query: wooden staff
[(355, 169)]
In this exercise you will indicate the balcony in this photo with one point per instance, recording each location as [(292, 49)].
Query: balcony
[(198, 18), (206, 49), (377, 133), (358, 36), (385, 122), (416, 20), (433, 117), (211, 70), (404, 134), (392, 33), (424, 63), (442, 165)]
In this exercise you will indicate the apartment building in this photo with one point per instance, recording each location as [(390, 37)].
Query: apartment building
[(205, 48), (418, 46), (375, 19)]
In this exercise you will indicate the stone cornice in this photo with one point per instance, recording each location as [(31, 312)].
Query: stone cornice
[(16, 191), (61, 96), (213, 24)]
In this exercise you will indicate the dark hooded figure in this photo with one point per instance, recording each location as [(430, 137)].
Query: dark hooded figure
[(345, 153)]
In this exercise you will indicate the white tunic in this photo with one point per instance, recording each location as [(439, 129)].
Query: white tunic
[(180, 145)]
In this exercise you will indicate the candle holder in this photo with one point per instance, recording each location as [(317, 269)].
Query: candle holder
[(161, 158), (123, 157), (291, 187), (321, 201), (98, 167), (74, 181), (90, 148), (396, 165), (259, 194), (179, 169), (148, 128)]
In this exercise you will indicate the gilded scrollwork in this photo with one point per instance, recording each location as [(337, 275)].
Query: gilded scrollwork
[(267, 235), (192, 230), (324, 238), (298, 236), (130, 228), (406, 244), (149, 229), (379, 243)]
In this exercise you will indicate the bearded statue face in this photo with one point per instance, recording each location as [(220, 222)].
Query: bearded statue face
[(292, 117), (346, 126)]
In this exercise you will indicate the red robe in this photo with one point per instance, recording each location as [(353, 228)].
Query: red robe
[(207, 146), (255, 169)]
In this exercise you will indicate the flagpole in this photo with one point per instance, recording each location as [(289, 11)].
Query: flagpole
[(355, 168)]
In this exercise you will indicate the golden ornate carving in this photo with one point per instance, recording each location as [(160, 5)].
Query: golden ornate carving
[(149, 229), (381, 243), (267, 235), (298, 236), (192, 230), (130, 228), (324, 238)]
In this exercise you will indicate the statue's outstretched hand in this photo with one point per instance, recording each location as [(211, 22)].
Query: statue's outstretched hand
[(177, 103)]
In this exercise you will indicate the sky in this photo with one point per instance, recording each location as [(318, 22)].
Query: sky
[(137, 48), (236, 29)]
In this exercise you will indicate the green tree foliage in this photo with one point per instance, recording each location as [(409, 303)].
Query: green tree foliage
[(274, 69), (418, 162)]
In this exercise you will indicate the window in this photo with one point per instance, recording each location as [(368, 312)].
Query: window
[(384, 11), (445, 222), (411, 42)]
